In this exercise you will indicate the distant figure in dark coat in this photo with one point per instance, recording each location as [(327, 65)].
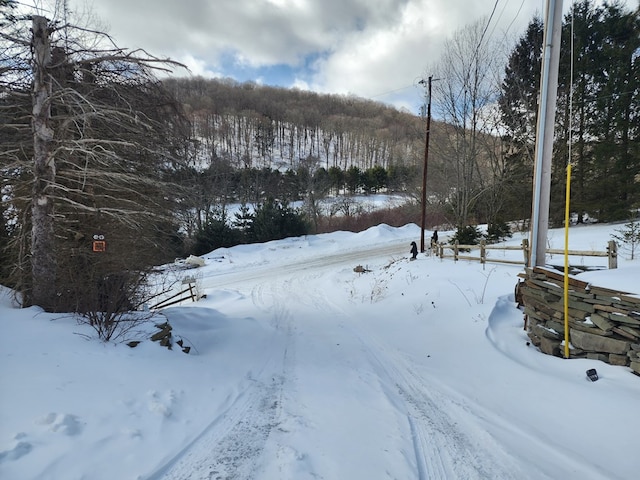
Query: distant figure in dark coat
[(414, 250), (434, 238)]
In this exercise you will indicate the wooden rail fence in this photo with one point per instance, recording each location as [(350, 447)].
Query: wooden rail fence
[(460, 252), (188, 292)]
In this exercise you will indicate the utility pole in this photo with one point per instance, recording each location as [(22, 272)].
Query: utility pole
[(424, 169), (544, 134)]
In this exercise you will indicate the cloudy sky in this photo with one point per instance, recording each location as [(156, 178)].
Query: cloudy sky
[(376, 49)]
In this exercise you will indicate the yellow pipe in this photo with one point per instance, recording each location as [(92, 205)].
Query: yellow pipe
[(566, 262)]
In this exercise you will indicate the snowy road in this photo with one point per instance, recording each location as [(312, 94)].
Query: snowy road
[(301, 262), (295, 406), (301, 368)]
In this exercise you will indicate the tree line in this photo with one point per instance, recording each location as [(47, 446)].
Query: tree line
[(598, 114)]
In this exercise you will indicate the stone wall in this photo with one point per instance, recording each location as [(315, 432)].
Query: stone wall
[(604, 324)]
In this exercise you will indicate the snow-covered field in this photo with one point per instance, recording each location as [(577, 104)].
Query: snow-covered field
[(301, 368)]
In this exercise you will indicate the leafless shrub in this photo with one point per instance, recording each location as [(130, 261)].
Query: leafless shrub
[(116, 305)]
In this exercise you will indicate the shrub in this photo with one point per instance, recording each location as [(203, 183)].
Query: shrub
[(498, 231), (629, 236), (468, 235), (215, 234), (274, 220)]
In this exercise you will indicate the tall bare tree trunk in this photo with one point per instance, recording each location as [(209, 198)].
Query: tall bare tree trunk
[(43, 261)]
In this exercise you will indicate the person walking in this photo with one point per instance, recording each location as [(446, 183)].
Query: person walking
[(414, 250), (434, 238)]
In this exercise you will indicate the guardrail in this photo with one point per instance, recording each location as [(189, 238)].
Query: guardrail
[(611, 252)]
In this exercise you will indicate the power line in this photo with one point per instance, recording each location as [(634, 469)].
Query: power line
[(391, 91), (495, 5)]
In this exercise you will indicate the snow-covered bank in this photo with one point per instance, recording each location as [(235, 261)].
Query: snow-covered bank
[(302, 368)]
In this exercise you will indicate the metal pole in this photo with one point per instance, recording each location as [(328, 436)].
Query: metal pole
[(566, 261), (424, 169), (545, 129)]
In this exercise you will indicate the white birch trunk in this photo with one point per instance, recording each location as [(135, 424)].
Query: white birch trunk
[(43, 262)]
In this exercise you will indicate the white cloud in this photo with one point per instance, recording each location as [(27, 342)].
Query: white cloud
[(363, 47)]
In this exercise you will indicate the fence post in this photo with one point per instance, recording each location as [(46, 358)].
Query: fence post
[(483, 252), (612, 250), (455, 251), (525, 250)]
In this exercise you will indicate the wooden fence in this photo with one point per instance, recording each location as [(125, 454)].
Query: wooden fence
[(461, 252), (188, 292)]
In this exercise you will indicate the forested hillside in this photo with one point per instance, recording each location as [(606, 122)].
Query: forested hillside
[(251, 125), (481, 158)]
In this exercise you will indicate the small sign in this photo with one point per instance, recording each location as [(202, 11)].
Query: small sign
[(99, 244)]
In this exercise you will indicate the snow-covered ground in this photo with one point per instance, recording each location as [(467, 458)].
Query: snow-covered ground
[(301, 368)]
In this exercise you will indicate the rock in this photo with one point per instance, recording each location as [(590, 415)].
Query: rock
[(557, 326), (587, 327), (165, 332), (626, 332), (596, 343), (550, 346), (598, 356), (194, 261), (541, 331), (621, 360), (534, 339), (601, 322), (626, 319)]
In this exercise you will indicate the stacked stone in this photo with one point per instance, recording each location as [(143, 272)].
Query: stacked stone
[(163, 335), (604, 324)]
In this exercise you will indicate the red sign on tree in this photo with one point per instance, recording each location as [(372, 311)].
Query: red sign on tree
[(99, 244)]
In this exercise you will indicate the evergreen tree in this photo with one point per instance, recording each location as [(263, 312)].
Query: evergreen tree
[(336, 179), (601, 120), (274, 220), (353, 179), (374, 179), (518, 107), (216, 233), (242, 222)]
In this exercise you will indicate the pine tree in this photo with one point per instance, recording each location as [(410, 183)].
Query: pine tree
[(600, 121)]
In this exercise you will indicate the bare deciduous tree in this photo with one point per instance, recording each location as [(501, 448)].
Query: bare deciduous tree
[(95, 146), (463, 95)]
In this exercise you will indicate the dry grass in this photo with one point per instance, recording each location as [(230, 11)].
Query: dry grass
[(394, 217)]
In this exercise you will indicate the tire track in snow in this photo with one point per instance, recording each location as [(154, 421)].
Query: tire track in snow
[(443, 448), (227, 448), (230, 447), (442, 451)]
